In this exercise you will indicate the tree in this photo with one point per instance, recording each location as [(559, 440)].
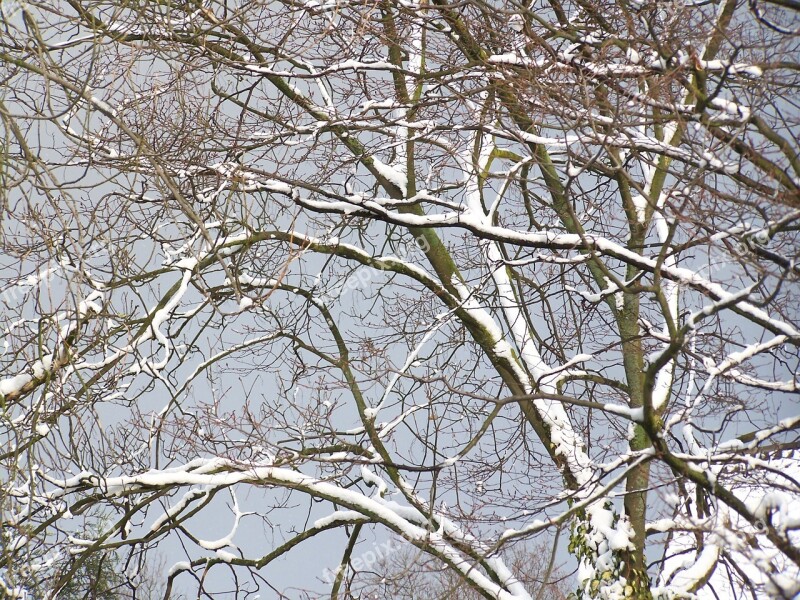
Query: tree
[(465, 273)]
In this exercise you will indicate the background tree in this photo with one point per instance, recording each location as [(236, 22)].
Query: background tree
[(409, 574), (99, 575), (467, 273)]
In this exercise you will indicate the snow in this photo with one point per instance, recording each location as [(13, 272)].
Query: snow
[(697, 569), (532, 138), (392, 174), (386, 103), (778, 508), (188, 498), (42, 367), (91, 304), (247, 279), (750, 70), (161, 316), (610, 289), (226, 556), (274, 185), (18, 542), (573, 170), (180, 566), (102, 105), (42, 429), (640, 203), (731, 108), (372, 479), (780, 586), (340, 516), (616, 537), (355, 65), (13, 385), (187, 263), (634, 414), (512, 58)]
